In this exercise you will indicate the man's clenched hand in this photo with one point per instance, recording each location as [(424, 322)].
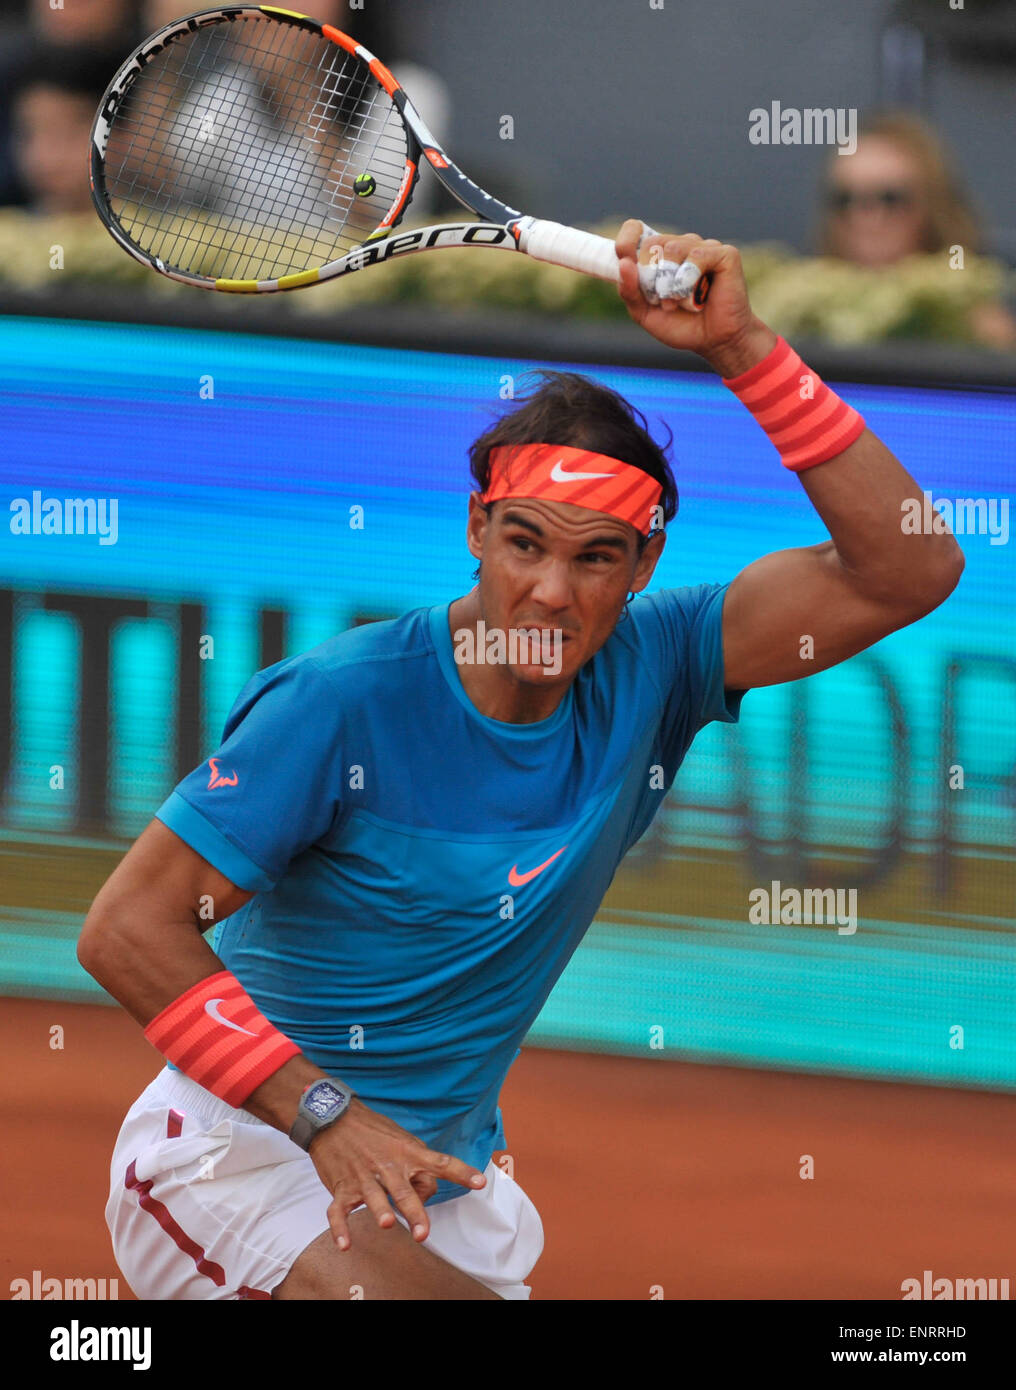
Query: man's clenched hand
[(724, 330)]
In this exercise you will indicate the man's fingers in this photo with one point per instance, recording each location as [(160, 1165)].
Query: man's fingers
[(630, 290), (627, 241), (707, 254), (676, 250), (337, 1214), (377, 1202), (425, 1184), (712, 256), (403, 1193), (651, 248), (407, 1182), (449, 1169), (408, 1202)]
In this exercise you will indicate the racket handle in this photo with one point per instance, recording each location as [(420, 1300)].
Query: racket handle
[(595, 255), (567, 246)]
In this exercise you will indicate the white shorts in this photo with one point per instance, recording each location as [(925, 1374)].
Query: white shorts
[(210, 1202)]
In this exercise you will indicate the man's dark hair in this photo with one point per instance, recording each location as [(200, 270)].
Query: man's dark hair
[(577, 412)]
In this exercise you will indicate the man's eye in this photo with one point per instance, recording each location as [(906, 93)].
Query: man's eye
[(521, 541), (597, 555)]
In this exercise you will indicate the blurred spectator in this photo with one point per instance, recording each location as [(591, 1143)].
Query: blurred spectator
[(427, 90), (361, 24), (112, 25), (898, 195), (54, 100), (99, 23), (41, 60)]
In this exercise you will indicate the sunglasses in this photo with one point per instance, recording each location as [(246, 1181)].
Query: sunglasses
[(843, 200)]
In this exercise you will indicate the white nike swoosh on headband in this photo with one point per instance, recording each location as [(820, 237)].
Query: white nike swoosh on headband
[(212, 1009), (558, 474)]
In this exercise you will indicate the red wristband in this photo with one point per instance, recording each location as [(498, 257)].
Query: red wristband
[(807, 422), (217, 1036)]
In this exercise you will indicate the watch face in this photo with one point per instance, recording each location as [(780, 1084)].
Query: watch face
[(322, 1099)]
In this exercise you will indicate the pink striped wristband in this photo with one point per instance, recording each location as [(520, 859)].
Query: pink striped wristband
[(807, 422), (217, 1036)]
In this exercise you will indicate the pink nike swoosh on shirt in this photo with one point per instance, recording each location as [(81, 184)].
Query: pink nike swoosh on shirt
[(212, 1009), (517, 880)]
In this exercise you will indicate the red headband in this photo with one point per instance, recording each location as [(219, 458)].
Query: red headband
[(558, 473)]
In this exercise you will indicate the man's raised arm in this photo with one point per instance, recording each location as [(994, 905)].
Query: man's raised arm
[(875, 574)]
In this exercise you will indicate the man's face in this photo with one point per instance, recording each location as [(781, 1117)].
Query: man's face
[(558, 568), (52, 128)]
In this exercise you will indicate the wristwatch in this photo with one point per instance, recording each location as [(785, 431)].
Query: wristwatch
[(322, 1103)]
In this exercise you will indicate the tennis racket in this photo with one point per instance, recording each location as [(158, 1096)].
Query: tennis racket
[(251, 149)]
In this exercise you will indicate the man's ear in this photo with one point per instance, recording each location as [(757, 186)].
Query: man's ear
[(476, 525), (647, 561)]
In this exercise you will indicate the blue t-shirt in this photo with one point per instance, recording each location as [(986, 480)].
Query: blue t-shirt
[(424, 873)]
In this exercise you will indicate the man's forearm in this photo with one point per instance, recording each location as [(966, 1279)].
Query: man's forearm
[(861, 494), (147, 973), (747, 351), (276, 1100)]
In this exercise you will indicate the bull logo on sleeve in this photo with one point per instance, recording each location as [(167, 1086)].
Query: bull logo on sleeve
[(220, 779)]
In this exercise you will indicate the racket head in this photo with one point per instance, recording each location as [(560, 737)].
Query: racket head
[(248, 148)]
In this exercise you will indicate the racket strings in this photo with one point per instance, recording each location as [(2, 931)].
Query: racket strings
[(199, 166), (371, 150), (260, 199), (256, 198), (233, 153)]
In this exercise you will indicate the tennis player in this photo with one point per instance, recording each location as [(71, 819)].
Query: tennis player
[(401, 850)]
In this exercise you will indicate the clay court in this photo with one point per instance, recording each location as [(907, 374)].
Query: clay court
[(648, 1175)]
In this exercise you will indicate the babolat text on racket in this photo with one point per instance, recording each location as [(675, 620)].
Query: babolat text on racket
[(251, 149)]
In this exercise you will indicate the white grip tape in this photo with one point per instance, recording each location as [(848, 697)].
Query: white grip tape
[(567, 246), (595, 255)]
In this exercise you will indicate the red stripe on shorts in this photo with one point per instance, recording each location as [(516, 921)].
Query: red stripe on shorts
[(174, 1125), (180, 1237)]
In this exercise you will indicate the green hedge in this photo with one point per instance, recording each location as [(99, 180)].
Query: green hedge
[(806, 296)]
